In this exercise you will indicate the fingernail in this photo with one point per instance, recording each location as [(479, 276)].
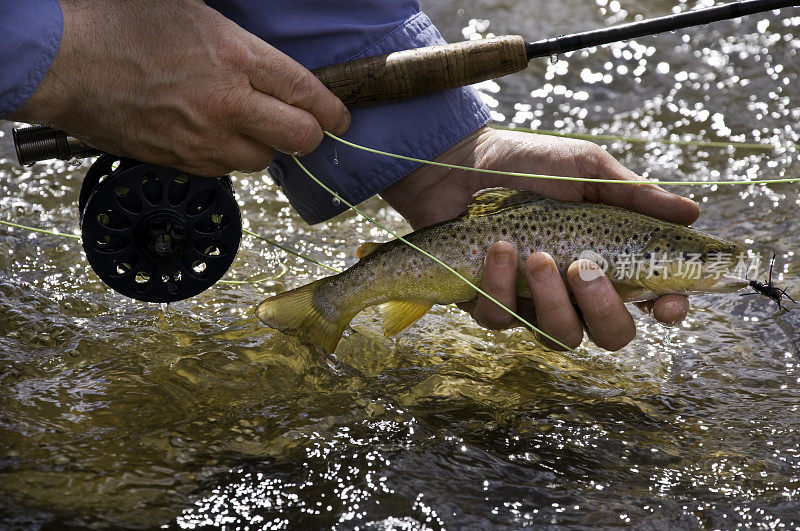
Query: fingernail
[(588, 271), (542, 272), (502, 258), (344, 122)]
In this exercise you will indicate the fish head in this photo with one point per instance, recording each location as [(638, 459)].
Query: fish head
[(677, 259)]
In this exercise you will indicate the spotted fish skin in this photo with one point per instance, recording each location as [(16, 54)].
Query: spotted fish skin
[(411, 282)]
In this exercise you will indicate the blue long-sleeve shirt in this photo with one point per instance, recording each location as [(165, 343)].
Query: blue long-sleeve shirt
[(31, 33), (315, 33)]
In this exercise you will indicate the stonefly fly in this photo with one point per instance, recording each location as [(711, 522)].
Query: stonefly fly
[(770, 290)]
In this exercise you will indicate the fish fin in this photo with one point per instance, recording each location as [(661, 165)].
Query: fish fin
[(296, 312), (399, 315), (366, 249), (494, 200), (632, 293)]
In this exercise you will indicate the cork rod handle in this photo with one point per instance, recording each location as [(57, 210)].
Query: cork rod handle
[(410, 73)]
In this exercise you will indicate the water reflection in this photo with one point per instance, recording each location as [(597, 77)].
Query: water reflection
[(114, 412)]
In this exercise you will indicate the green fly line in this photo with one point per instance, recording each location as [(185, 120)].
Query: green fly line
[(450, 269), (638, 140), (290, 251), (283, 271), (43, 231), (555, 177)]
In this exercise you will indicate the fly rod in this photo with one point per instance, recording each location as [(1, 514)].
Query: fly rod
[(578, 41), (410, 73)]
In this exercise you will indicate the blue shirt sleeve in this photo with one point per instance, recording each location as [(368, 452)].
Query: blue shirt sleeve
[(320, 33), (31, 32)]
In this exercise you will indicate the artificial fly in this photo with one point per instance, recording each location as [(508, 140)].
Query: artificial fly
[(770, 290)]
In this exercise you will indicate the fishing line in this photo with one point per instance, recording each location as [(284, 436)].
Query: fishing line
[(441, 263), (284, 270), (636, 140), (43, 231), (555, 177), (290, 251)]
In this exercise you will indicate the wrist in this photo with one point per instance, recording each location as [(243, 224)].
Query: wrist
[(431, 194), (50, 103)]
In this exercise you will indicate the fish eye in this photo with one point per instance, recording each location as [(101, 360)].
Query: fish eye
[(734, 250)]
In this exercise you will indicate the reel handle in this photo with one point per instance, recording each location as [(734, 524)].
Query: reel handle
[(39, 142), (409, 73)]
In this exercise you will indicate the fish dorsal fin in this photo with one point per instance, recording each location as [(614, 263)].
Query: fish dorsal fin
[(494, 200), (366, 249), (399, 315)]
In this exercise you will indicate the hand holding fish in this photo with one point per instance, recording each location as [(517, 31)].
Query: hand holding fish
[(541, 234), (433, 194)]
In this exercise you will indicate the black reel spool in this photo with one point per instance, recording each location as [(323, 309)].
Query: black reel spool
[(156, 234)]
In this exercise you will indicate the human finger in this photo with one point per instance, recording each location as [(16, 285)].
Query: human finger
[(525, 309), (555, 314), (668, 309), (671, 309), (609, 323), (499, 280), (280, 76), (645, 198), (237, 153), (275, 123), (245, 154)]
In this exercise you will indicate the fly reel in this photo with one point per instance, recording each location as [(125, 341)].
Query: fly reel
[(157, 234), (152, 233)]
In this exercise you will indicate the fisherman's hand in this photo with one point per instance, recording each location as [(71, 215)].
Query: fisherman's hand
[(177, 84), (432, 194)]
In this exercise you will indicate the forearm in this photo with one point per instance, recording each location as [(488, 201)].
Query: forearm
[(59, 97)]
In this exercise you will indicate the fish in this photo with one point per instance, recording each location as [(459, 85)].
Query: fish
[(673, 259)]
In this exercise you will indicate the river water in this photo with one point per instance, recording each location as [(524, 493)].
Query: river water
[(119, 413)]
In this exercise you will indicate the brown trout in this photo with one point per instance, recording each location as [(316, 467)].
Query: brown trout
[(670, 258)]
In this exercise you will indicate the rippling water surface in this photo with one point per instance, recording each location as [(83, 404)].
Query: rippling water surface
[(114, 412)]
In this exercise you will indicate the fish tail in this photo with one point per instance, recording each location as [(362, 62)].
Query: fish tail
[(297, 312)]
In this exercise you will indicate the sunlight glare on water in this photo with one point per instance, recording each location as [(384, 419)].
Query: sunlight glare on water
[(116, 413)]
